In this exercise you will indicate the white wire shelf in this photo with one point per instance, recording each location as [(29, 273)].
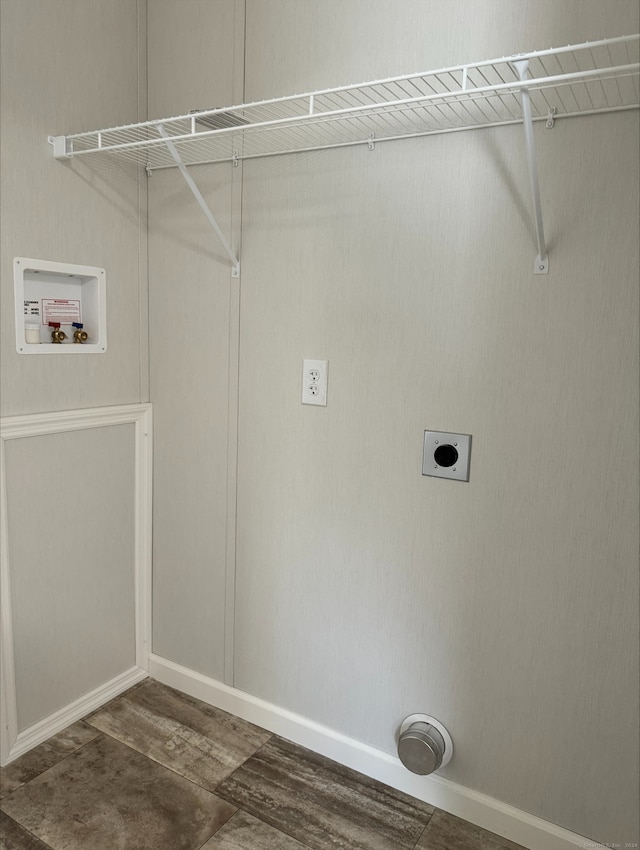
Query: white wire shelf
[(584, 79), (599, 76)]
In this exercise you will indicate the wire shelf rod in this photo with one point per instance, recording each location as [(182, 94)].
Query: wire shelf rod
[(634, 80), (501, 101), (322, 114), (437, 107), (615, 78), (544, 68), (599, 81)]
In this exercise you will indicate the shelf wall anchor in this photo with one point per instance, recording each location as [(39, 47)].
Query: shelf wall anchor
[(235, 264), (59, 144), (542, 260)]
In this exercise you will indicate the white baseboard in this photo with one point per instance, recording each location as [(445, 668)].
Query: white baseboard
[(54, 723), (486, 812)]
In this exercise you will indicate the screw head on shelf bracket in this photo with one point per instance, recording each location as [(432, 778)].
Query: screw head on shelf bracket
[(542, 265)]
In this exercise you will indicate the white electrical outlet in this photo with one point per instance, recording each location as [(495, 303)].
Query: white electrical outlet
[(314, 382)]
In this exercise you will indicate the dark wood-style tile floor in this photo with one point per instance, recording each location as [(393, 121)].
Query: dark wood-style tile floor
[(157, 770)]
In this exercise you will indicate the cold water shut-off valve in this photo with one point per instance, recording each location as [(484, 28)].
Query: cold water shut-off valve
[(79, 335)]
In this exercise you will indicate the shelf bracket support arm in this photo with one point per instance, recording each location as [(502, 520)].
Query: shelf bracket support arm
[(542, 260), (235, 264)]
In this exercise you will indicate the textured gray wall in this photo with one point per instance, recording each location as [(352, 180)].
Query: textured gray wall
[(66, 67), (364, 591), (507, 607), (193, 63)]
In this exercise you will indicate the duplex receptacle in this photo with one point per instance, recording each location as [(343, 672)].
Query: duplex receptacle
[(314, 382)]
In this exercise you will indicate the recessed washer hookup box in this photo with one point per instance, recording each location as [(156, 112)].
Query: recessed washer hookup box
[(63, 297)]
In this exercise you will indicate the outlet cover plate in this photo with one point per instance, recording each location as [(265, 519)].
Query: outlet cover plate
[(314, 382), (446, 455)]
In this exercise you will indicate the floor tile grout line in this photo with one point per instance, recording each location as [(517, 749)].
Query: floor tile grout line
[(424, 829), (213, 834), (242, 764), (55, 764), (184, 726), (300, 842), (101, 734), (303, 844), (339, 781), (171, 769), (423, 819), (32, 834), (155, 760)]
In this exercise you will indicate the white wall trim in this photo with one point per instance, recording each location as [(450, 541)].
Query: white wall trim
[(13, 743), (486, 812), (79, 708), (8, 708)]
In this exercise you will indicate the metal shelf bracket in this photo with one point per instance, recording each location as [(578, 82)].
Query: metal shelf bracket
[(542, 260), (235, 263), (59, 144)]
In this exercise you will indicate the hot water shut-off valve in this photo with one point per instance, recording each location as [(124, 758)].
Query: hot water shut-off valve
[(424, 745)]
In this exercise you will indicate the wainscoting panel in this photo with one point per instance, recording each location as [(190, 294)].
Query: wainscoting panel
[(76, 523)]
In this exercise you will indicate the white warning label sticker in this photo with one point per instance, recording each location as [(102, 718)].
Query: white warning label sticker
[(62, 310)]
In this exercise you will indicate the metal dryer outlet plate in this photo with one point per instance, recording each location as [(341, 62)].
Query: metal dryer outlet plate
[(446, 455)]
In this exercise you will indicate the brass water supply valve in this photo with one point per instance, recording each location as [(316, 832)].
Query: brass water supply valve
[(79, 335), (57, 335)]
